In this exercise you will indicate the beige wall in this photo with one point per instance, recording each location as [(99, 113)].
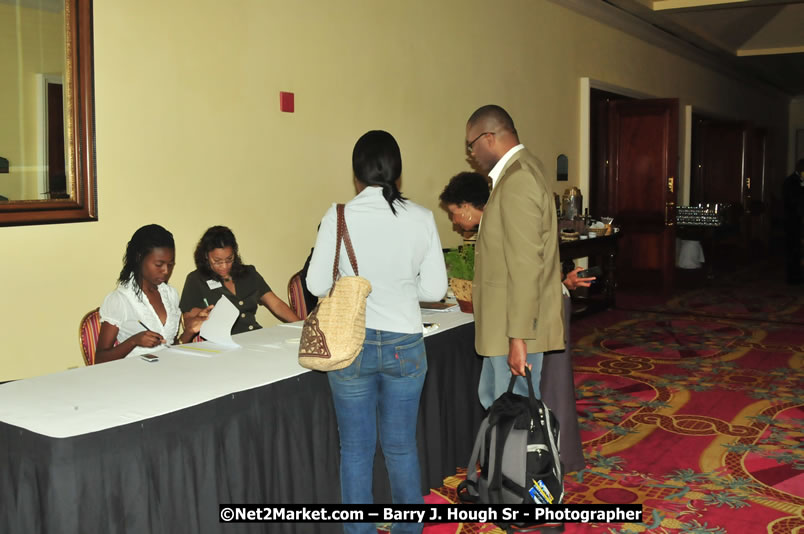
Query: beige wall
[(31, 43), (189, 133)]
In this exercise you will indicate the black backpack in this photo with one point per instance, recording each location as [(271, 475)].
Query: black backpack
[(517, 449)]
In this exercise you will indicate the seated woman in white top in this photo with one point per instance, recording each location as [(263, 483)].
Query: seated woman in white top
[(143, 314), (398, 250)]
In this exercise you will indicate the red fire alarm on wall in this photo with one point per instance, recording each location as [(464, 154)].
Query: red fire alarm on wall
[(286, 103)]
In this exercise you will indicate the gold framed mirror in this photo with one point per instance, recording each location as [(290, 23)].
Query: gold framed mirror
[(47, 148)]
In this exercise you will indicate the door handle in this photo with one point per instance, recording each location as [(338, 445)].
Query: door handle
[(748, 195), (668, 208), (670, 184)]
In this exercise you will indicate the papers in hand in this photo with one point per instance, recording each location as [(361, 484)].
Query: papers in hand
[(218, 326), (439, 306), (429, 327)]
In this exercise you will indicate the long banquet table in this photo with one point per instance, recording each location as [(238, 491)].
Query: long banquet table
[(137, 447)]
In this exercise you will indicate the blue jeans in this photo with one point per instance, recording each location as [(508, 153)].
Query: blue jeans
[(495, 376), (383, 385)]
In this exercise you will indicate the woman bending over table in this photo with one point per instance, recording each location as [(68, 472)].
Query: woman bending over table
[(220, 272), (142, 315), (398, 250)]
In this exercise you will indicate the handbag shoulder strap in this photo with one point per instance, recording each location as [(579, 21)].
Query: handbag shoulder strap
[(343, 235)]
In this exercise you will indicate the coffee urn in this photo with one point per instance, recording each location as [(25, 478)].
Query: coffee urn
[(572, 203)]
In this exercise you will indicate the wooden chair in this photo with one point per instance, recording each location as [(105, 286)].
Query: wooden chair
[(88, 332), (296, 296)]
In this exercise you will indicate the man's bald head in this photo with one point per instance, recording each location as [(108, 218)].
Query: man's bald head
[(493, 118), (490, 133)]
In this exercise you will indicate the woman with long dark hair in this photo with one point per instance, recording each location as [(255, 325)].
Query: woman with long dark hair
[(398, 250), (142, 315), (220, 272)]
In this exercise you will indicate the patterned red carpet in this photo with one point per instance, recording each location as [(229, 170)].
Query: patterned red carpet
[(694, 409)]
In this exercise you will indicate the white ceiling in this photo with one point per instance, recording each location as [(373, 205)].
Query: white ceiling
[(762, 38)]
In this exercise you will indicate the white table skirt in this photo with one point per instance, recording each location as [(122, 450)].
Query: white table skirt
[(89, 399)]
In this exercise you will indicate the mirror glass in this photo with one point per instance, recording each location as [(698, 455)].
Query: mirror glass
[(47, 112), (32, 101)]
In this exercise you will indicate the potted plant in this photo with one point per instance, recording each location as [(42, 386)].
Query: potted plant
[(461, 271)]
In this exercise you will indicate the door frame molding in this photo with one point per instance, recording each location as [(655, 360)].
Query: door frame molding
[(685, 112), (42, 157), (586, 86)]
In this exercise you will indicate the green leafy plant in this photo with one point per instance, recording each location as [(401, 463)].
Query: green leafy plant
[(461, 262)]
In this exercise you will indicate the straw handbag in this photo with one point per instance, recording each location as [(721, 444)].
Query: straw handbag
[(334, 332)]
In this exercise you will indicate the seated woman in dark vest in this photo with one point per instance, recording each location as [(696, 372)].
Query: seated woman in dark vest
[(220, 272)]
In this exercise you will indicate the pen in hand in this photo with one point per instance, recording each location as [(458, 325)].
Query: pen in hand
[(149, 330)]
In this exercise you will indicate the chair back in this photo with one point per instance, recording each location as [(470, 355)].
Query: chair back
[(296, 296), (88, 332)]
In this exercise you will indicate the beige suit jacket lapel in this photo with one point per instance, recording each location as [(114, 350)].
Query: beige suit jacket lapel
[(500, 180), (505, 168)]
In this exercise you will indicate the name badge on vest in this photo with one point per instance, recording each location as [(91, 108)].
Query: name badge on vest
[(214, 284)]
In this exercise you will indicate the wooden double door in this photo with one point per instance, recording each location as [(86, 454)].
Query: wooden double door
[(634, 178), (728, 166), (637, 162)]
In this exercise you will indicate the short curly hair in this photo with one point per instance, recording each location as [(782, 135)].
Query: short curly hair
[(470, 187)]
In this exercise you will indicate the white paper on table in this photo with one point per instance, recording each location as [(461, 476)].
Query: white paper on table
[(297, 324), (204, 349), (271, 346), (439, 307), (218, 326)]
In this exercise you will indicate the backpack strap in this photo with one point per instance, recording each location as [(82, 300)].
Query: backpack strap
[(501, 431), (467, 490), (551, 438), (534, 402)]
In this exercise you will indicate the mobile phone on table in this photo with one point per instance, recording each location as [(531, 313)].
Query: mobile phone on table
[(590, 272), (150, 357)]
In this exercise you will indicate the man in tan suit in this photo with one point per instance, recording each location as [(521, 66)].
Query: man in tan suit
[(517, 287)]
